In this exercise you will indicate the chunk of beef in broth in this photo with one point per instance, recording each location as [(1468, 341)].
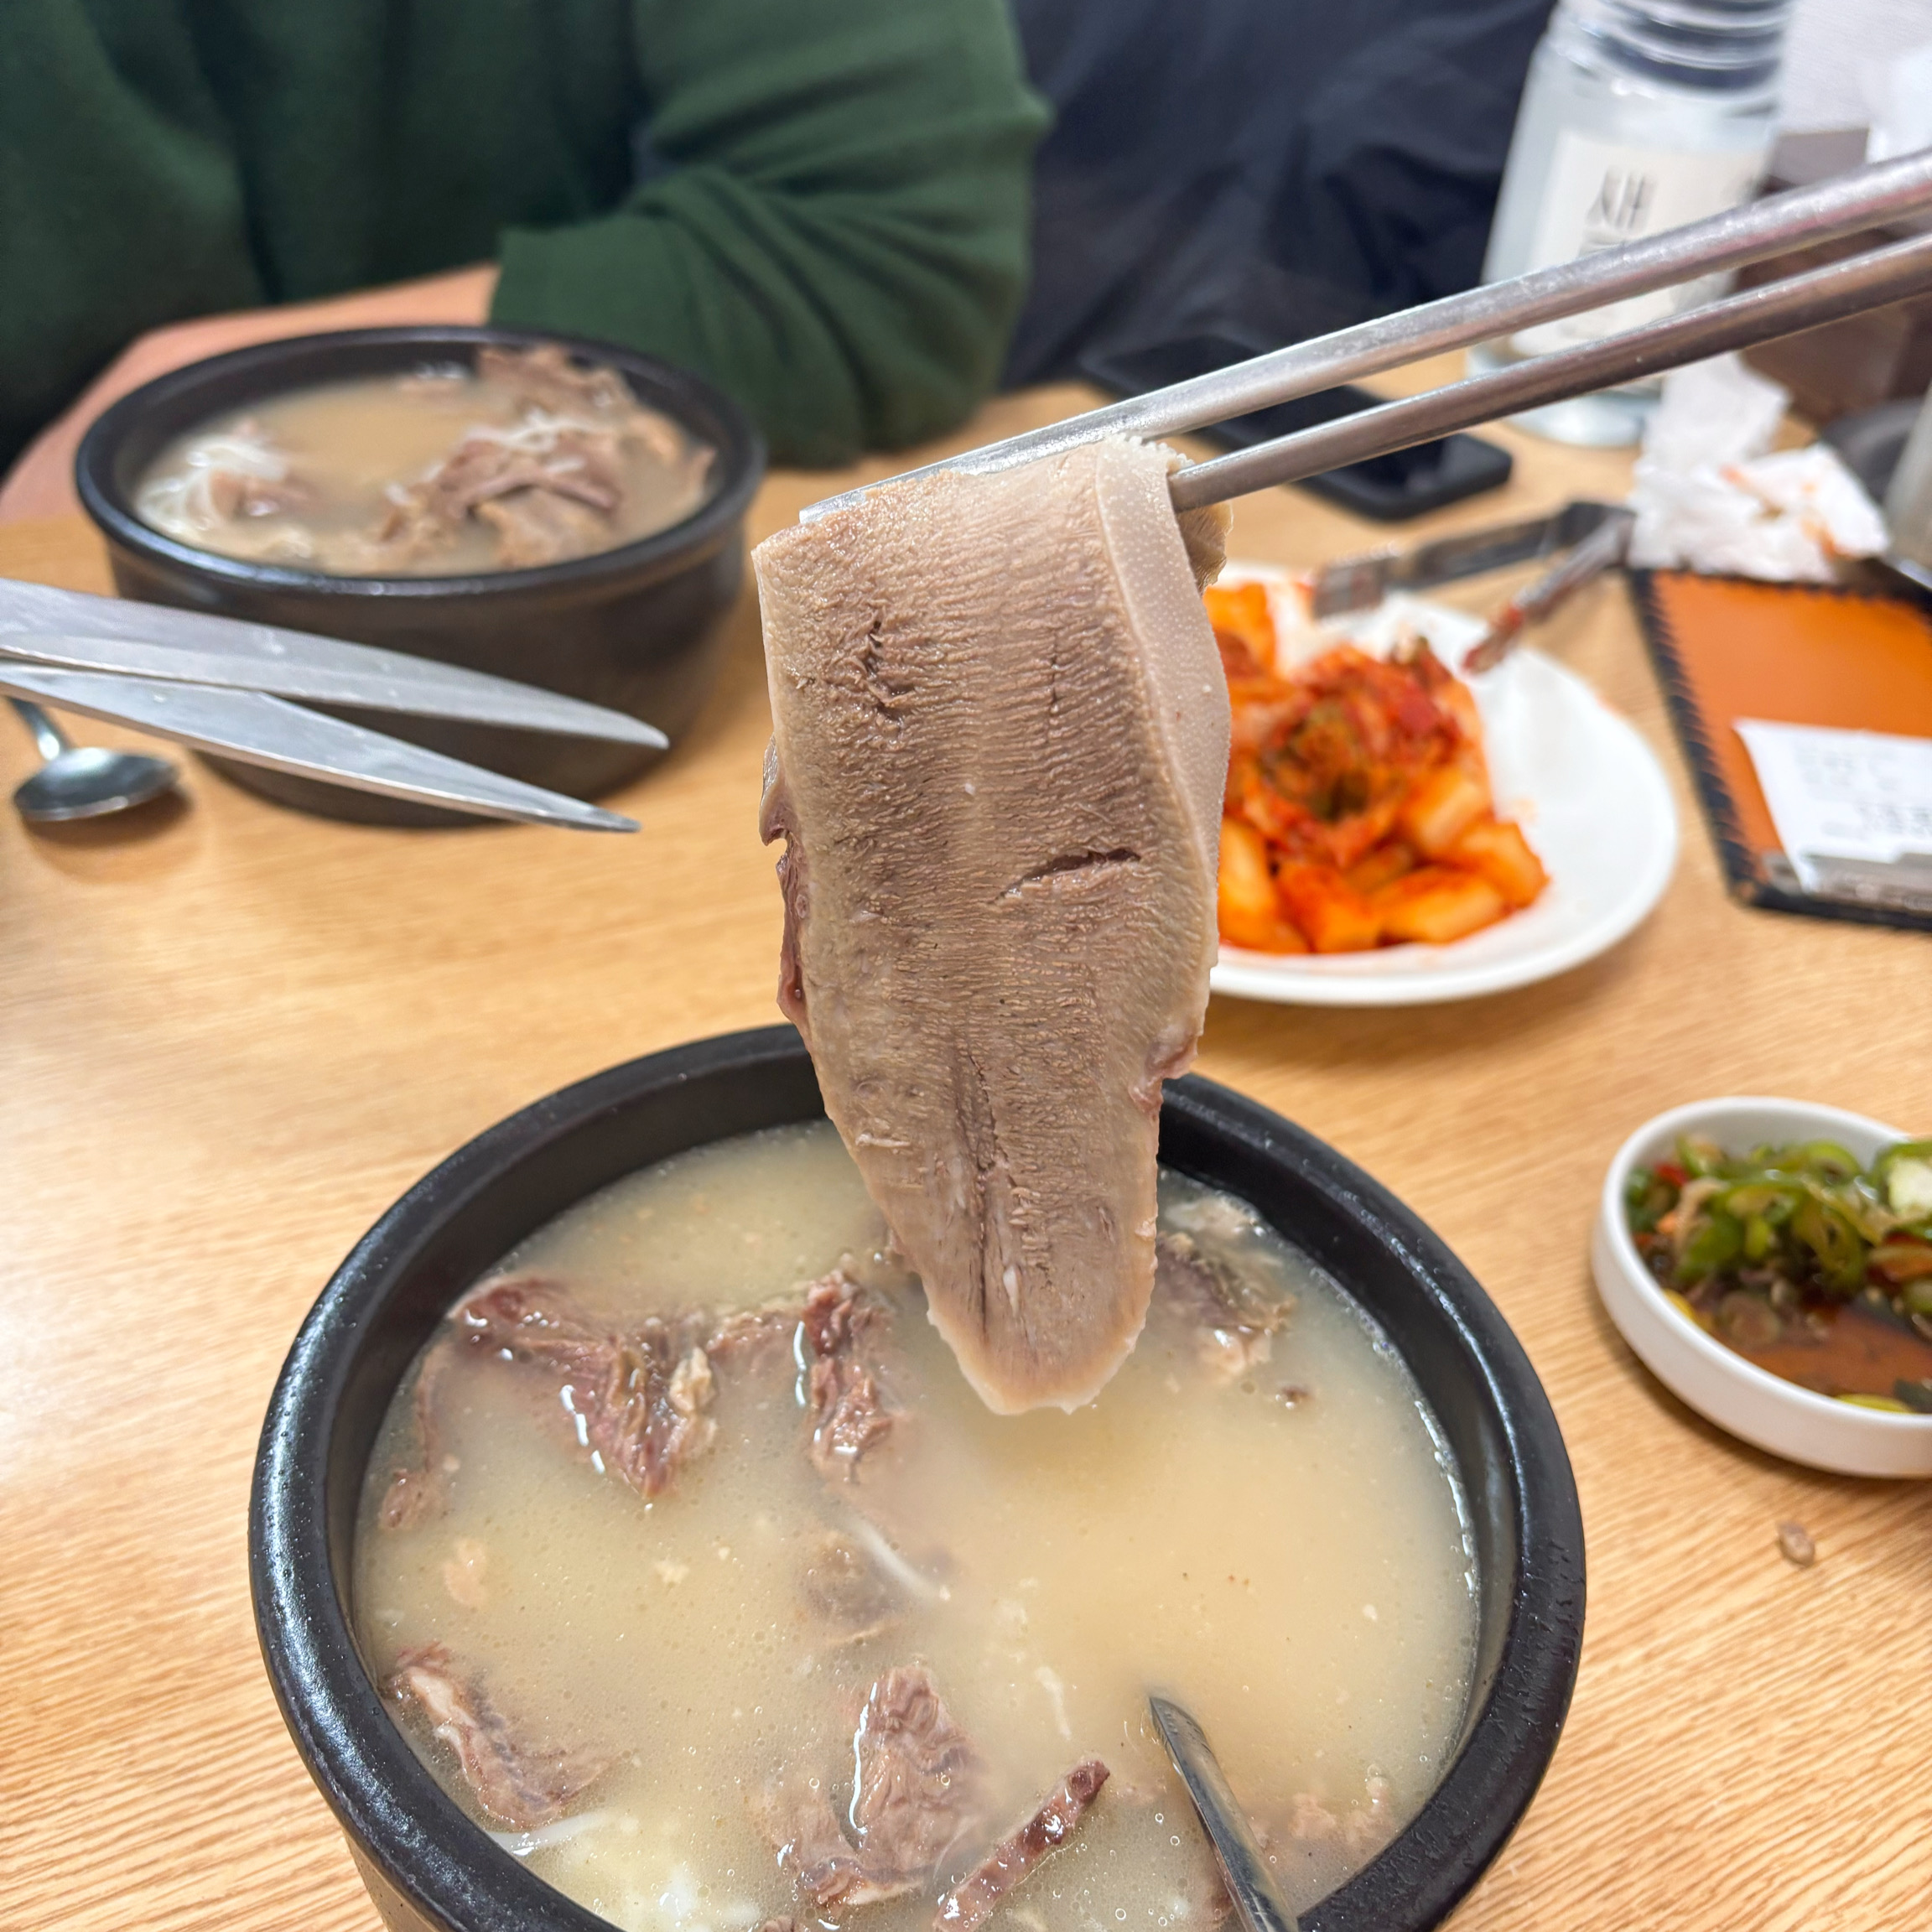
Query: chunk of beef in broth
[(231, 482), (851, 1417), (916, 1795), (535, 526), (918, 1783), (974, 1900), (419, 1491), (845, 1588), (1000, 734), (545, 378), (638, 1397), (546, 487), (237, 493), (523, 1784), (1232, 1318)]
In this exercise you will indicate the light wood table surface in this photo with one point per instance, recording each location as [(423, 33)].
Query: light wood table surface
[(230, 1035)]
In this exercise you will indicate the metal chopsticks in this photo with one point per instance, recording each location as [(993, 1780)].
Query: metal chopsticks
[(1865, 198), (1799, 302)]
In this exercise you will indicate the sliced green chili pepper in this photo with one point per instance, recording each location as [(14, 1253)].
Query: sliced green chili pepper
[(1699, 1158), (1715, 1245), (1825, 1159), (1834, 1241), (1773, 1200), (1812, 1224), (1647, 1198)]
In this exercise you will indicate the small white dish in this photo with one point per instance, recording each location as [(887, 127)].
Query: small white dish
[(1764, 1409), (1587, 791)]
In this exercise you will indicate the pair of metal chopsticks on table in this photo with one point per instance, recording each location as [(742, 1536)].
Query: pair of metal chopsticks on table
[(241, 690), (1865, 199)]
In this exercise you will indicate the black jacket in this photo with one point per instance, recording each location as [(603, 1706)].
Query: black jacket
[(1265, 169)]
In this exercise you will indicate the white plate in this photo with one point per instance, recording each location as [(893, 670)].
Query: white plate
[(1586, 790), (1736, 1394)]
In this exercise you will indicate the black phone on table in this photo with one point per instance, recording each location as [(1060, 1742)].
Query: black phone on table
[(1387, 488)]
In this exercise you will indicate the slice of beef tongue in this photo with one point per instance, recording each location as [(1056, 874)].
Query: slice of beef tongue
[(971, 1902), (1000, 740)]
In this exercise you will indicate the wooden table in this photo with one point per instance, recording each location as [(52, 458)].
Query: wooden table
[(230, 1035)]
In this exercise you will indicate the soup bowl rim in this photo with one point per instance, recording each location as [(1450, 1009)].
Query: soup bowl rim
[(675, 391), (410, 1838)]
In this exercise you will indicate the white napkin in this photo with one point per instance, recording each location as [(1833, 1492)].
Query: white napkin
[(1708, 497)]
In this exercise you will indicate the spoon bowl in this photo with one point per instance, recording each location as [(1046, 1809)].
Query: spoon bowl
[(85, 780)]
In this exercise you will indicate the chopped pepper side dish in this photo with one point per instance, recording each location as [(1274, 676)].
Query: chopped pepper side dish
[(1359, 811), (1800, 1260)]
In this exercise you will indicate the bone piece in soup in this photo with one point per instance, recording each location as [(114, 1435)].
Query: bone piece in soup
[(974, 1900), (524, 1785), (1000, 738)]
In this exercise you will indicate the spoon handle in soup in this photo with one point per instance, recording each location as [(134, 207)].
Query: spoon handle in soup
[(1257, 1898)]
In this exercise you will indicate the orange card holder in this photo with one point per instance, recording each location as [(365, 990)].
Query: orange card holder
[(1726, 648)]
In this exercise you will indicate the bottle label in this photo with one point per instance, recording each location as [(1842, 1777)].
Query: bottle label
[(1602, 195)]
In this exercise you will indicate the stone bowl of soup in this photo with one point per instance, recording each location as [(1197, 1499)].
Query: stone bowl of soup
[(627, 1548), (564, 512)]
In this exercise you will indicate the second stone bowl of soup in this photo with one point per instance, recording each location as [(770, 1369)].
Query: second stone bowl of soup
[(640, 625), (677, 1580)]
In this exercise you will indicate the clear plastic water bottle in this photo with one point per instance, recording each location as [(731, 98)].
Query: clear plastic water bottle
[(1639, 115)]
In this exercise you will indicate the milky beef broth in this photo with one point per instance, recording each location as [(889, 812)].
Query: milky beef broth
[(1268, 1528), (525, 460)]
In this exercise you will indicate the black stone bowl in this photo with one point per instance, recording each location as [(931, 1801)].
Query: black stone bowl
[(429, 1869), (640, 628)]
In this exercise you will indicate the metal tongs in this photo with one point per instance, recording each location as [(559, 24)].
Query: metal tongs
[(1865, 198), (1596, 537), (217, 684)]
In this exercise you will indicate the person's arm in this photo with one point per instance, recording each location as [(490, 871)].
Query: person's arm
[(115, 213), (838, 235)]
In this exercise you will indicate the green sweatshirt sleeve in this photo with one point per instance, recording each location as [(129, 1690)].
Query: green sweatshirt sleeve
[(838, 235), (121, 203)]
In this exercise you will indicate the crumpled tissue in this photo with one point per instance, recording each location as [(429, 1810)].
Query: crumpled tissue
[(1708, 497)]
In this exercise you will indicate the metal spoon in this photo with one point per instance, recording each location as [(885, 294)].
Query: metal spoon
[(83, 780), (1257, 1898)]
